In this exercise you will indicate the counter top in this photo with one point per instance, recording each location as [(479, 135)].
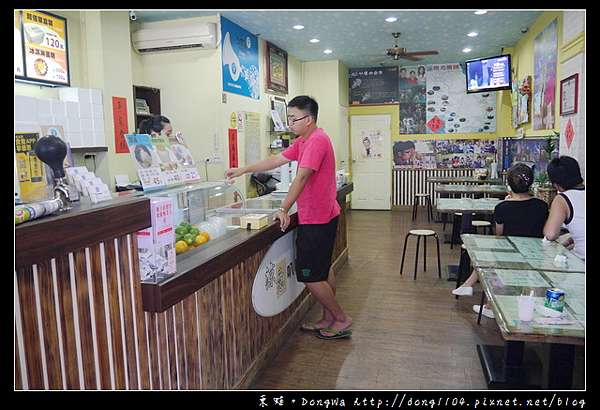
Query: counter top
[(196, 269), (83, 225)]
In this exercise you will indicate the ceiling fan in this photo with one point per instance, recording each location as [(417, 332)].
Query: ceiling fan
[(400, 52)]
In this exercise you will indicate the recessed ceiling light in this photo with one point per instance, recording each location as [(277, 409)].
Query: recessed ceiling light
[(298, 26), (391, 19), (473, 34), (314, 40), (480, 12), (328, 51), (466, 50)]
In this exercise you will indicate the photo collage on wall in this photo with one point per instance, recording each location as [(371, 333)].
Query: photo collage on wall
[(444, 154), (413, 99), (529, 151)]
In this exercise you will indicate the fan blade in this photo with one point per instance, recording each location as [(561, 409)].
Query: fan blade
[(422, 53), (408, 57)]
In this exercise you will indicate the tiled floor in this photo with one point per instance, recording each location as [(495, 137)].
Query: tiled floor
[(407, 334)]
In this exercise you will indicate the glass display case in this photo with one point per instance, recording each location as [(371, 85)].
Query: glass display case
[(204, 214)]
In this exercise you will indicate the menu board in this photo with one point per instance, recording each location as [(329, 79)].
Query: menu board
[(44, 45), (162, 161), (375, 85), (19, 66)]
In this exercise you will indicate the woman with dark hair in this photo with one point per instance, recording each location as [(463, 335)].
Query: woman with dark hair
[(519, 214), (568, 206)]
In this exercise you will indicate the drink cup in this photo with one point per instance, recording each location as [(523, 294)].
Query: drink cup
[(525, 308)]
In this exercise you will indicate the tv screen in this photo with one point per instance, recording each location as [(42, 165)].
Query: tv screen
[(488, 74)]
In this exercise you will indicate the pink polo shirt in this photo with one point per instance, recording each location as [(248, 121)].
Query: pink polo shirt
[(317, 202)]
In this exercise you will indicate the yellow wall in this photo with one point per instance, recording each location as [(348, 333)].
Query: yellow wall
[(522, 58)]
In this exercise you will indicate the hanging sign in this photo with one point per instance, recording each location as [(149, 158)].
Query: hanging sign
[(233, 150), (120, 121)]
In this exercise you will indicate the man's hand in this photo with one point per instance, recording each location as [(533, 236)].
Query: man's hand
[(284, 219), (232, 173)]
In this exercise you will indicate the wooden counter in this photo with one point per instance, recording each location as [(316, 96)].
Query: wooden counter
[(80, 324)]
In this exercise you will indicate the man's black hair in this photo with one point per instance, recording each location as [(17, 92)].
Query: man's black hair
[(306, 103), (565, 172), (153, 124)]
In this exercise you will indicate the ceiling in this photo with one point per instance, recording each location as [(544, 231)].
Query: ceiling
[(360, 38)]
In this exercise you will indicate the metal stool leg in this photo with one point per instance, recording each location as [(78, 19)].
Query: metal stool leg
[(415, 201), (424, 254), (429, 210), (417, 256), (481, 307), (404, 252), (444, 220), (454, 228), (437, 241)]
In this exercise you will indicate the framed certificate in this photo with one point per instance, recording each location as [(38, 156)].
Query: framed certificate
[(277, 69), (569, 94)]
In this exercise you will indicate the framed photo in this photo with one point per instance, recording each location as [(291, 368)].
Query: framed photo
[(569, 95), (279, 104), (277, 69)]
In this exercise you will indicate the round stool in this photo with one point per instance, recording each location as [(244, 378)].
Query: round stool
[(422, 233), (482, 224), (427, 203)]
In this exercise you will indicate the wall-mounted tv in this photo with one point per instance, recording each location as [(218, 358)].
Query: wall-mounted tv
[(488, 74)]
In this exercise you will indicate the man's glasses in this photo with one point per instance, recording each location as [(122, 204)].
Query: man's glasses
[(292, 120)]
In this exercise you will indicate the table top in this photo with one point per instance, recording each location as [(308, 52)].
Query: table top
[(483, 205), (462, 180), (502, 288), (471, 189), (513, 252)]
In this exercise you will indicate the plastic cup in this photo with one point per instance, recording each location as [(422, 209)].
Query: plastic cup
[(525, 308)]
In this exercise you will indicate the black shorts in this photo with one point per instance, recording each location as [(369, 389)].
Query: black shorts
[(314, 247)]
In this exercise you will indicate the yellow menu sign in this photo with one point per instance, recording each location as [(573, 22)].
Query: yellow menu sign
[(45, 47), (29, 168)]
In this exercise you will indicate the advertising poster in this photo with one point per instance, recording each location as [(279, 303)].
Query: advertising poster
[(46, 56), (120, 121), (374, 85), (19, 69), (413, 98), (146, 160), (183, 156), (450, 110), (414, 154), (465, 153), (528, 150), (30, 170), (240, 60), (168, 160), (544, 77)]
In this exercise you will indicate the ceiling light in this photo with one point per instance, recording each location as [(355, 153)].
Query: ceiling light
[(466, 50), (314, 40), (298, 26), (473, 34), (391, 19), (480, 12), (328, 51)]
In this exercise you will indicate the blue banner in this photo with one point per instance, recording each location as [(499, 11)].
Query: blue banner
[(239, 50)]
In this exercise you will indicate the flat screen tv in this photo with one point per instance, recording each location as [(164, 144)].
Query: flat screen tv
[(488, 74)]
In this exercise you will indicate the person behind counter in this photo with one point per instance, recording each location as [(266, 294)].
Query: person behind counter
[(568, 206), (314, 188), (159, 125)]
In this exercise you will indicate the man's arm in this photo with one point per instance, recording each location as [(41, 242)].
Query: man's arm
[(559, 211), (295, 189), (264, 165)]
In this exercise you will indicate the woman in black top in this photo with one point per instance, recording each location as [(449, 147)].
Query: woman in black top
[(519, 214)]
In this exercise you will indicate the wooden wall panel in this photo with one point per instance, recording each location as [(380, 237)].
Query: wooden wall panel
[(154, 347), (191, 342), (18, 381), (181, 350)]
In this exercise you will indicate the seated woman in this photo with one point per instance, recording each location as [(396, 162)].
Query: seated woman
[(568, 206), (519, 215)]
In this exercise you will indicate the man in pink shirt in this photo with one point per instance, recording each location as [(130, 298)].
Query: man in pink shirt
[(314, 189)]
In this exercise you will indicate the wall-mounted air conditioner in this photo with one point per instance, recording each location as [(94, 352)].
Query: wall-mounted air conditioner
[(178, 36)]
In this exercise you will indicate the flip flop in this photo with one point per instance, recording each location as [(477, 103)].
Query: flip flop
[(311, 327), (337, 334)]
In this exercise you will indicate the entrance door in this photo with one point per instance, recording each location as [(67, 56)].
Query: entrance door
[(370, 136)]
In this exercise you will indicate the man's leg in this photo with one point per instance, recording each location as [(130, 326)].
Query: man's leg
[(327, 317), (324, 294)]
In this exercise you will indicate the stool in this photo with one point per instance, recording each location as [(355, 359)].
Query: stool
[(482, 224), (427, 203), (422, 233)]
